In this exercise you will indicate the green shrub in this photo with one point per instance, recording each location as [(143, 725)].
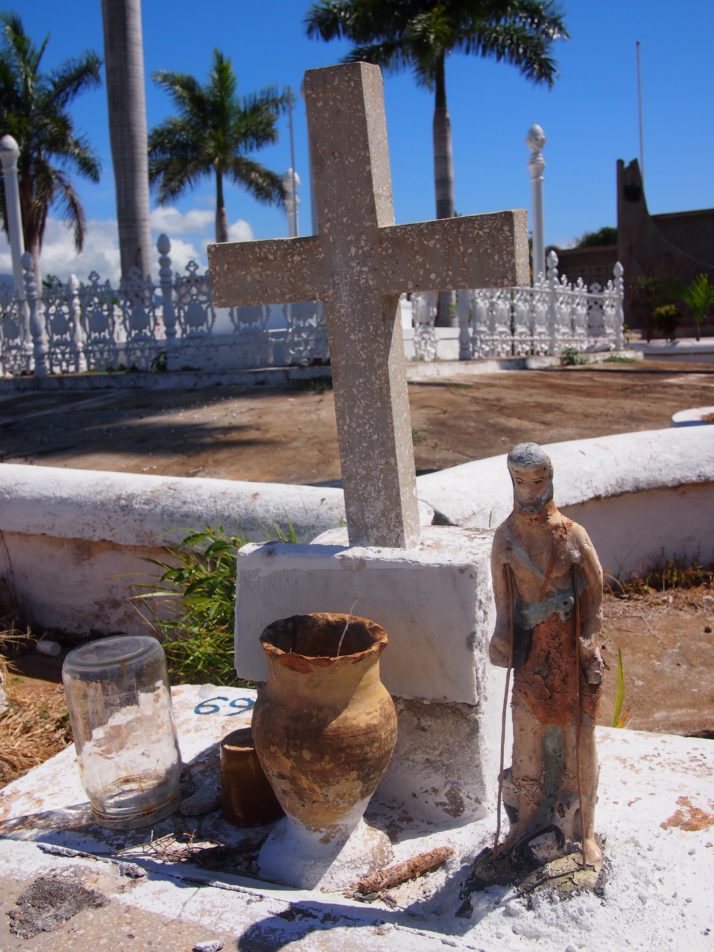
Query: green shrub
[(647, 293), (666, 319), (571, 357), (191, 608), (200, 575), (699, 298)]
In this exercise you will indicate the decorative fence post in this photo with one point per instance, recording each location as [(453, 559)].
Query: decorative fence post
[(166, 279), (552, 282), (463, 299), (535, 140), (34, 301), (75, 310), (619, 282)]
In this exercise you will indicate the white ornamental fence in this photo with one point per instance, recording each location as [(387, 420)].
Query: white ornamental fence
[(173, 325)]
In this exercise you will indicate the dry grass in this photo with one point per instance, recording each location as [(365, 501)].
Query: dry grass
[(35, 725)]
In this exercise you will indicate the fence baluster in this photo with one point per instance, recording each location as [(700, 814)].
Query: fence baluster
[(34, 301)]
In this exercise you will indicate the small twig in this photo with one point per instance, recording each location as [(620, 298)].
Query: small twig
[(347, 625), (399, 873)]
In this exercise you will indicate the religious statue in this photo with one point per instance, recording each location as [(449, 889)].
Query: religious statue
[(548, 589)]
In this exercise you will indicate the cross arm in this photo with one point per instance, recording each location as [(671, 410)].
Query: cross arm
[(249, 273), (477, 251)]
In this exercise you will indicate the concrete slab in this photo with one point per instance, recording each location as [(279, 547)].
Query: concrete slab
[(656, 816)]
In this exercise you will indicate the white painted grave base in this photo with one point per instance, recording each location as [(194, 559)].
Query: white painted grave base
[(435, 603), (655, 813)]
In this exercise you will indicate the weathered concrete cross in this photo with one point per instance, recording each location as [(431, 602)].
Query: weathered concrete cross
[(358, 265)]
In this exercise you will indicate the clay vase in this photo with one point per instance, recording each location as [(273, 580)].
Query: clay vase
[(324, 728), (246, 796)]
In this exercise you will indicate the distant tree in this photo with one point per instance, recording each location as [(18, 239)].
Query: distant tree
[(603, 236), (34, 110), (211, 135), (421, 34), (699, 298), (396, 34), (126, 100)]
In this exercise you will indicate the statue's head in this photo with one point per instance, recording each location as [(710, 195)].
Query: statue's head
[(532, 477)]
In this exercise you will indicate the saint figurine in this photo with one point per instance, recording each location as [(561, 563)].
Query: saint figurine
[(548, 588)]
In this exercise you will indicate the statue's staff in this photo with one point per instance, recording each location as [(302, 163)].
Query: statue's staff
[(579, 710), (504, 711)]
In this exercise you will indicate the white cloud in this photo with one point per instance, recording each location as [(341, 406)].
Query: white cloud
[(183, 251), (173, 222), (240, 230), (101, 244)]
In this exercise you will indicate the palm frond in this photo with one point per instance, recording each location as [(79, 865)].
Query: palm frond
[(33, 108), (73, 77), (260, 182), (70, 207)]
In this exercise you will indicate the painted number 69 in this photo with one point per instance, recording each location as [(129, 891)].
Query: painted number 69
[(218, 704)]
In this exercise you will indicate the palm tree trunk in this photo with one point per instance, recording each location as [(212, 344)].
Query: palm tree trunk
[(221, 217), (443, 178), (443, 160), (124, 57)]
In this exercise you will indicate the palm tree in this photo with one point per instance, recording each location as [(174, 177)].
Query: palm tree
[(420, 34), (34, 110), (126, 100), (211, 134)]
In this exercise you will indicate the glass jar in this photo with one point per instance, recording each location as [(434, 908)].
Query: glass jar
[(120, 710)]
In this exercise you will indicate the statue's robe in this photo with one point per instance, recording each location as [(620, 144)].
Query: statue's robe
[(538, 576)]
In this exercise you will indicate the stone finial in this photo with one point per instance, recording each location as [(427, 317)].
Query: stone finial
[(536, 138), (9, 152), (163, 244)]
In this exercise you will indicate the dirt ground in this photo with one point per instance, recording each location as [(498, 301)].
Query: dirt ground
[(289, 436)]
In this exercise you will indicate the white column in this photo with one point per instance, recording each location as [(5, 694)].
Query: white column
[(9, 154), (291, 182), (535, 140)]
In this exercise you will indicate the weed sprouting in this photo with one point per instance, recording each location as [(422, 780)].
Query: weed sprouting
[(571, 357), (621, 714), (191, 607), (674, 573), (620, 359)]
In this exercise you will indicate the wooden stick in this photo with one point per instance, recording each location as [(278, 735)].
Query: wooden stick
[(504, 710), (576, 595), (399, 873)]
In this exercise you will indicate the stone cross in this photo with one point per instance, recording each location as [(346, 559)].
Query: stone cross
[(358, 265)]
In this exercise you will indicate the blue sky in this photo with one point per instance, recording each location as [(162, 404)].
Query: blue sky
[(590, 117)]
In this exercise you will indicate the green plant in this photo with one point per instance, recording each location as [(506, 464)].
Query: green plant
[(699, 297), (674, 573), (417, 435), (571, 357), (620, 359), (648, 292), (317, 385), (621, 714), (159, 364), (197, 634), (191, 608), (666, 319)]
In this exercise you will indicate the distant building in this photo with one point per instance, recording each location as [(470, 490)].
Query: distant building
[(675, 245)]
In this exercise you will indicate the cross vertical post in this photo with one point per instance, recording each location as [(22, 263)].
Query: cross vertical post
[(358, 266)]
